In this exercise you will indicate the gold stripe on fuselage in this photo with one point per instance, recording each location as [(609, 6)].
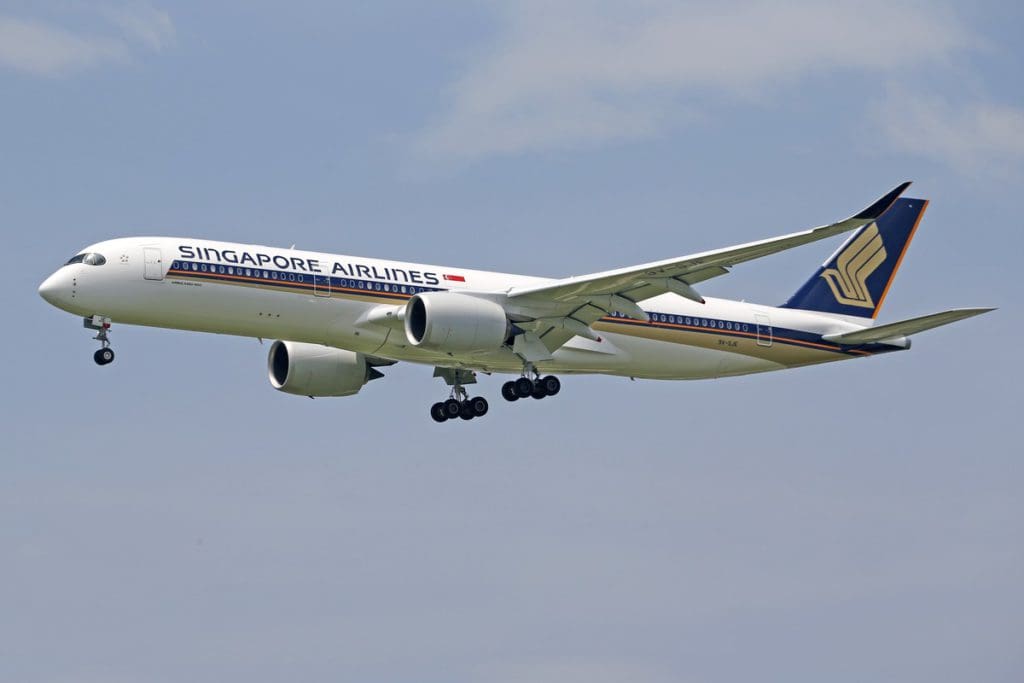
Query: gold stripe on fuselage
[(783, 350)]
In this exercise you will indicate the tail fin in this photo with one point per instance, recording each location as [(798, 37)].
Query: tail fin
[(855, 280)]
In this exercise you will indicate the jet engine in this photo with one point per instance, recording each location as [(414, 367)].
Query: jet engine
[(453, 323), (316, 370)]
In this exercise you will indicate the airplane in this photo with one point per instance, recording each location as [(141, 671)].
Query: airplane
[(337, 319)]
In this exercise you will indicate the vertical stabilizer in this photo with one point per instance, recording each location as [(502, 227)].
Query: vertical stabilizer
[(856, 279)]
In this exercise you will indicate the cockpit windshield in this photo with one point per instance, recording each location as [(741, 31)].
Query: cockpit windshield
[(89, 259)]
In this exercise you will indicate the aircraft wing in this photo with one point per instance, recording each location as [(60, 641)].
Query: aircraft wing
[(569, 306), (905, 328)]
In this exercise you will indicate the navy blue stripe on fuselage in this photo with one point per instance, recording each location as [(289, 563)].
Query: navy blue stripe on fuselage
[(745, 330), (309, 283), (292, 281)]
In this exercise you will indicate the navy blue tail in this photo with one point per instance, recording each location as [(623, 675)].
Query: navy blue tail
[(855, 280)]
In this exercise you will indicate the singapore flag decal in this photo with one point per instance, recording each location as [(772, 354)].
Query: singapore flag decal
[(454, 278)]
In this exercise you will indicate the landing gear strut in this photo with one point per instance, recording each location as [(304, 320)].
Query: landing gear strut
[(105, 354), (459, 403)]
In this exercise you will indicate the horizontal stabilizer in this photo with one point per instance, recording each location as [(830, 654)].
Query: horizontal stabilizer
[(904, 328)]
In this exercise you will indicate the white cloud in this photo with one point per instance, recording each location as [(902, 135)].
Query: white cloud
[(969, 135), (40, 49), (143, 23), (44, 49), (583, 72)]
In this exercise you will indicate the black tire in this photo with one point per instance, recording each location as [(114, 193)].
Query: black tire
[(479, 406), (437, 412), (508, 391), (452, 408), (524, 387), (103, 356), (466, 410), (552, 385), (538, 391)]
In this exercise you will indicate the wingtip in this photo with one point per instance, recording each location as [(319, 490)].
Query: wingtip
[(971, 312), (882, 205)]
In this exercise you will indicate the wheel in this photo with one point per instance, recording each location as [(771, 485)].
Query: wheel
[(466, 410), (103, 356), (508, 391), (479, 406), (437, 412), (539, 391), (552, 385), (452, 408), (524, 387)]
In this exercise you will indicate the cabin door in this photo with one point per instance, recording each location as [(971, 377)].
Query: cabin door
[(764, 329), (321, 284), (153, 263)]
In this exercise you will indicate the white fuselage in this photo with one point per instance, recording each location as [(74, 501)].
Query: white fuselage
[(341, 301)]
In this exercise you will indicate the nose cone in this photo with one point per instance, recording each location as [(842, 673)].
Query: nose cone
[(54, 289)]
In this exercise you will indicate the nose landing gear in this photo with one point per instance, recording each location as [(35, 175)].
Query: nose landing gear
[(105, 354)]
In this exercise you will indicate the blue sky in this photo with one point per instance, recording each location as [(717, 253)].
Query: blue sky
[(171, 517)]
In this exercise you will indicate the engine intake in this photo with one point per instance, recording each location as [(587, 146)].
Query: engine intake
[(315, 370), (453, 323)]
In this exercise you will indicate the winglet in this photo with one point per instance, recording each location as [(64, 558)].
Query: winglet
[(880, 207)]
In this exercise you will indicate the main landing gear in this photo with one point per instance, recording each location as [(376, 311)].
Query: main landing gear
[(105, 354), (459, 403), (524, 387), (464, 408)]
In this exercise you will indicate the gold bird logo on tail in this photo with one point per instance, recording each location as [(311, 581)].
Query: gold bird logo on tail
[(848, 280)]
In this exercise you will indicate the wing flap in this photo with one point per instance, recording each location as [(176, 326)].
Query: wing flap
[(905, 328)]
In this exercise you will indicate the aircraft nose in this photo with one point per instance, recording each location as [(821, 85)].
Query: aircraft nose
[(54, 289)]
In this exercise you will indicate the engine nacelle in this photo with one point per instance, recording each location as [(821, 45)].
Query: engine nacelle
[(453, 322), (315, 370)]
